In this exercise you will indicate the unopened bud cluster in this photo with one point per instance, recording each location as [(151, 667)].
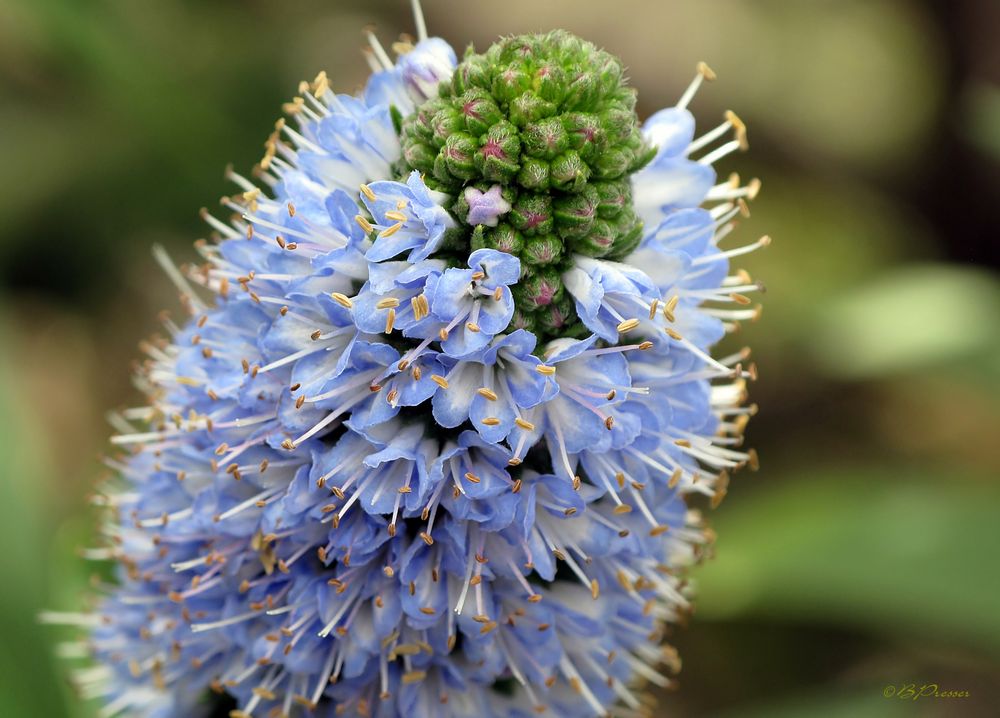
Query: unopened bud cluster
[(550, 120)]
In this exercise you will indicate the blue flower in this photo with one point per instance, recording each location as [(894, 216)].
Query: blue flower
[(407, 217), (414, 78), (395, 286), (398, 457), (591, 383), (478, 487), (494, 391), (607, 294), (672, 180), (475, 304), (353, 144)]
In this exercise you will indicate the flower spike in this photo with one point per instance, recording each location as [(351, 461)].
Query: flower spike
[(425, 445)]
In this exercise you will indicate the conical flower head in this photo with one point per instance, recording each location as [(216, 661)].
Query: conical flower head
[(424, 444)]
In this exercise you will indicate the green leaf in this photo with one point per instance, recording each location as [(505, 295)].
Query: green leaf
[(32, 682), (911, 318), (891, 550)]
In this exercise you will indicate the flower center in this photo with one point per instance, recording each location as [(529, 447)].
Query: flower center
[(534, 141)]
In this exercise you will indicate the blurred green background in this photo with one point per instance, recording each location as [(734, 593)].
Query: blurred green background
[(865, 553)]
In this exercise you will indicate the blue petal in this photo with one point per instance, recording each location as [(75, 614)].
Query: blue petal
[(391, 275), (518, 344), (499, 267), (451, 405), (463, 342), (495, 315), (670, 184), (564, 349), (482, 408), (670, 130), (341, 208), (451, 294)]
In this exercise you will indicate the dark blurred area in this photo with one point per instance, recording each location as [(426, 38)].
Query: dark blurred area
[(863, 555)]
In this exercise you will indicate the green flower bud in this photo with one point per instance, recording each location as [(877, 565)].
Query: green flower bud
[(534, 174), (478, 238), (509, 83), (502, 238), (598, 241), (611, 75), (546, 138), (419, 156), (556, 319), (497, 158), (575, 213), (629, 228), (544, 250), (528, 108), (613, 163), (479, 111), (644, 154), (445, 123), (458, 153), (537, 289), (612, 197), (615, 123), (586, 135), (551, 82), (532, 214), (568, 172), (522, 320), (474, 71)]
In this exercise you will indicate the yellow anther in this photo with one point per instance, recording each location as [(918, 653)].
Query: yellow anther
[(739, 128), (391, 230), (342, 299), (364, 224)]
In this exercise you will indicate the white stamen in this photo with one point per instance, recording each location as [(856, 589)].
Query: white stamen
[(418, 19)]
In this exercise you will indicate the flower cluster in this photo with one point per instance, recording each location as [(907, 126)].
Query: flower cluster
[(362, 485)]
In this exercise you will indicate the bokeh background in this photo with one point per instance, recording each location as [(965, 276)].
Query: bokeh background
[(865, 553)]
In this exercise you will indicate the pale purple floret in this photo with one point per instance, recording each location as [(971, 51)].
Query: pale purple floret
[(487, 207)]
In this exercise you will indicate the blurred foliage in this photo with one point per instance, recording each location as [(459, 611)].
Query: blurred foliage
[(24, 524), (881, 548), (934, 315), (864, 552), (982, 116)]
